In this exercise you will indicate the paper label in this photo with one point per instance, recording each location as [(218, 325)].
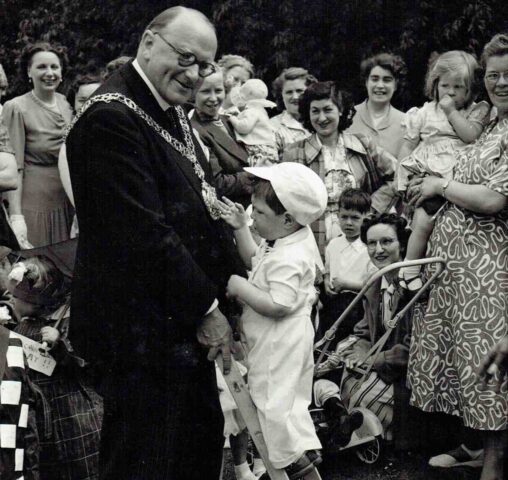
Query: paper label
[(42, 363)]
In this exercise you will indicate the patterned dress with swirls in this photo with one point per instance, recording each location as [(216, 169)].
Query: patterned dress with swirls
[(467, 313)]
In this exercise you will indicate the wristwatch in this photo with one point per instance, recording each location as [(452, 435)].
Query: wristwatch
[(444, 187)]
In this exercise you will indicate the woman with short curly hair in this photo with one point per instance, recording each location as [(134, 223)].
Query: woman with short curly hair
[(287, 89), (39, 209), (342, 160)]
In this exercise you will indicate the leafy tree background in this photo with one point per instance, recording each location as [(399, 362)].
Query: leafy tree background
[(329, 37)]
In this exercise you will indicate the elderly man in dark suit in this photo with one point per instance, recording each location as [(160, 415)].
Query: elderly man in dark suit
[(153, 259)]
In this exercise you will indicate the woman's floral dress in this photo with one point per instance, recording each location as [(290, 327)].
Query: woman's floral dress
[(467, 313)]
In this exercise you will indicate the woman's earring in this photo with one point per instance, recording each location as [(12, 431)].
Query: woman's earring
[(30, 81)]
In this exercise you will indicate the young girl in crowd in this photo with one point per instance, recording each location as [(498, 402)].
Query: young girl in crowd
[(277, 300), (252, 125), (434, 133), (70, 421)]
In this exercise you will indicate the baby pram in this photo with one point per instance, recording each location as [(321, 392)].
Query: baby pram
[(366, 440)]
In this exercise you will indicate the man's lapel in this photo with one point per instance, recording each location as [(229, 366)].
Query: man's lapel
[(143, 97)]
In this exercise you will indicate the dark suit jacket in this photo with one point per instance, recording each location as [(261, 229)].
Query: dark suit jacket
[(227, 159), (150, 259)]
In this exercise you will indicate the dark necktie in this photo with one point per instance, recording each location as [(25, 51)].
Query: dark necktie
[(175, 128)]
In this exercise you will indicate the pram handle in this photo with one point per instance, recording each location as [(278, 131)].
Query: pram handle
[(330, 333)]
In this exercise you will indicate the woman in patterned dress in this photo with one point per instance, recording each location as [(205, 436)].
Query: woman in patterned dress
[(467, 313)]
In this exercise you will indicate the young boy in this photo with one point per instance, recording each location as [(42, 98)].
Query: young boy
[(347, 264), (277, 299)]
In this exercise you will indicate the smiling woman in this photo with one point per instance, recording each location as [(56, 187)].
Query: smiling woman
[(227, 156), (342, 160), (40, 211), (467, 308), (287, 90)]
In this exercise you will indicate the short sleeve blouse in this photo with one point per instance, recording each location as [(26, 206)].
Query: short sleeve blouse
[(36, 131)]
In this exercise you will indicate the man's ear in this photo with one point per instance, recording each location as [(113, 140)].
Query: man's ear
[(146, 44)]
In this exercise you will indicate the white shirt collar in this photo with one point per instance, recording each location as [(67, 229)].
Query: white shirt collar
[(163, 104), (303, 234)]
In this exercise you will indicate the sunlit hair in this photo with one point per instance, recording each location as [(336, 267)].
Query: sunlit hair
[(399, 224), (454, 62), (324, 91), (86, 79), (27, 54), (3, 78), (169, 15), (227, 62), (497, 47), (292, 73), (393, 63), (263, 189), (114, 65), (355, 199)]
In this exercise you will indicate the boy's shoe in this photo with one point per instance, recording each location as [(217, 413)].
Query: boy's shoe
[(301, 467), (341, 435), (459, 457), (314, 456)]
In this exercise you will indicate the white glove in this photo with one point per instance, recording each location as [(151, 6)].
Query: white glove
[(18, 225)]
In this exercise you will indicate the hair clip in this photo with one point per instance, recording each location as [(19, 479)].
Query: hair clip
[(18, 272)]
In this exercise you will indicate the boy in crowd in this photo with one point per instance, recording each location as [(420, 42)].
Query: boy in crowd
[(347, 264), (277, 301)]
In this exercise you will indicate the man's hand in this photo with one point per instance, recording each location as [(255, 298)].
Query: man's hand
[(215, 333), (496, 361)]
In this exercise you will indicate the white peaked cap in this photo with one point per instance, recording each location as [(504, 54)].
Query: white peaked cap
[(302, 193)]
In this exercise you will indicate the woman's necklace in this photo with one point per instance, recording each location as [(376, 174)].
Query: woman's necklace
[(51, 104), (377, 117)]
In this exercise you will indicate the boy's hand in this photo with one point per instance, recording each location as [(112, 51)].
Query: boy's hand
[(329, 287), (235, 284), (447, 104), (50, 335), (337, 284), (233, 213)]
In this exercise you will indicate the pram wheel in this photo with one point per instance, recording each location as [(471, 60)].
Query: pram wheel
[(369, 452)]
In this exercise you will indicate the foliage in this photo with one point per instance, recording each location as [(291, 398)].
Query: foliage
[(329, 37)]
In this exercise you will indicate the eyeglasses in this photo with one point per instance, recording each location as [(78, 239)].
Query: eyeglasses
[(494, 77), (187, 59), (384, 242)]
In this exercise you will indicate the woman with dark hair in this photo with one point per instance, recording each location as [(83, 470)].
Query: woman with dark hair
[(467, 312), (383, 391), (82, 88), (342, 160), (287, 89), (39, 209), (376, 116)]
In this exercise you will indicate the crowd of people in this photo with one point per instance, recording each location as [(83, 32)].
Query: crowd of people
[(202, 211)]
